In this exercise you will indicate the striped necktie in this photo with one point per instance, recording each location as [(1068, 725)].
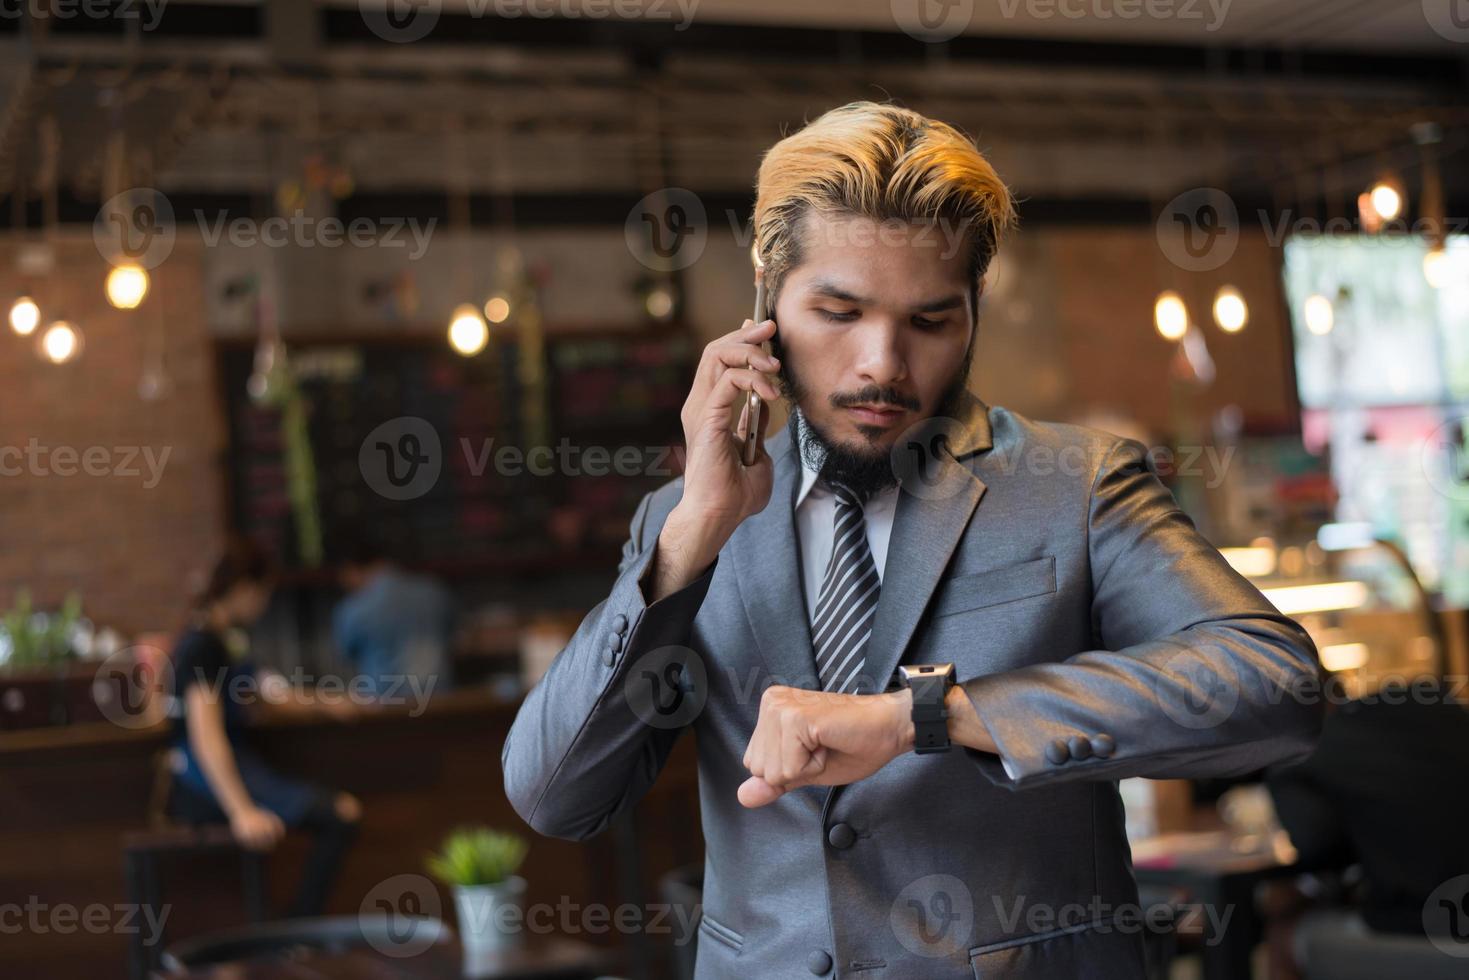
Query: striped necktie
[(847, 601)]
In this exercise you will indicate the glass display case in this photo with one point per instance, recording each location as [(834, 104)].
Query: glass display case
[(1359, 599)]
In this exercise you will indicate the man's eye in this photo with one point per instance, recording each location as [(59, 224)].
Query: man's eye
[(923, 323), (844, 317)]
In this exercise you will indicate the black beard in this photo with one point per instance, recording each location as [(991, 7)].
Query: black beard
[(863, 472)]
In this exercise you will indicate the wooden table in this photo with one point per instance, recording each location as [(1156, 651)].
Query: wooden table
[(541, 958)]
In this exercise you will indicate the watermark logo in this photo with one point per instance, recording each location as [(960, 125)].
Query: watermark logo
[(1448, 18), (923, 462), (403, 905), (400, 21), (1198, 230), (402, 458), (667, 230), (1445, 459), (1446, 917), (667, 687), (1197, 690), (933, 21), (133, 687), (933, 916), (135, 226)]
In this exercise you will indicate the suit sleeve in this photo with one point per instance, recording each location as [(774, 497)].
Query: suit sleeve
[(1197, 674), (578, 752)]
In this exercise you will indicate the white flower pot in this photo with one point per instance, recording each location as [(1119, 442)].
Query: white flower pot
[(491, 915)]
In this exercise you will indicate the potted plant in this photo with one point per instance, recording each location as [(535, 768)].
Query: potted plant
[(36, 649), (480, 865)]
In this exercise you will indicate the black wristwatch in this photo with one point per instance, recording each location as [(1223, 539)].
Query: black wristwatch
[(930, 685)]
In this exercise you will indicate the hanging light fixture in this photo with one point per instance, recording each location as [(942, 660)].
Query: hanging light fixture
[(1386, 197), (468, 332), (497, 309), (1431, 207), (25, 316), (61, 342), (1319, 315), (658, 301), (127, 286), (1170, 316), (1383, 202), (1231, 312)]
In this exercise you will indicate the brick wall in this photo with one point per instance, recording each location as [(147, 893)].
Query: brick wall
[(131, 539), (1069, 332)]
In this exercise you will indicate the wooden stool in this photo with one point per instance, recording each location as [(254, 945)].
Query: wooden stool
[(143, 850)]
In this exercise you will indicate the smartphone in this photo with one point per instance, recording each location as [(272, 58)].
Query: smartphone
[(754, 404)]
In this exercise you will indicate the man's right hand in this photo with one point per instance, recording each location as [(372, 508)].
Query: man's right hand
[(719, 490)]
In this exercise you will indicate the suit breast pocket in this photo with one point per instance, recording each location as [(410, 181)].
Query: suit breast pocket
[(993, 586)]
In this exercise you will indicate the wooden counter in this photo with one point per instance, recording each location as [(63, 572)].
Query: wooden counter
[(67, 795)]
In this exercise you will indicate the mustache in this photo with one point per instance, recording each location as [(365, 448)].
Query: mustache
[(875, 395)]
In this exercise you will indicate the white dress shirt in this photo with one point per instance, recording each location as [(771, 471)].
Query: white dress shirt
[(815, 520)]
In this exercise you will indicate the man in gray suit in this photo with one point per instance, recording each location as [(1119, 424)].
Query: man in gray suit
[(1053, 621)]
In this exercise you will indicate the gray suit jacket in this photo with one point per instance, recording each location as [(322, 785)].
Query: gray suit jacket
[(1099, 635)]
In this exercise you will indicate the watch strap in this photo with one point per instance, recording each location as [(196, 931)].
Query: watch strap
[(930, 687)]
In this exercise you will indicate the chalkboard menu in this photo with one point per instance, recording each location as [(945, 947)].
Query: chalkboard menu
[(425, 454)]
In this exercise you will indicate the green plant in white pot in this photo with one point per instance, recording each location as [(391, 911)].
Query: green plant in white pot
[(480, 865)]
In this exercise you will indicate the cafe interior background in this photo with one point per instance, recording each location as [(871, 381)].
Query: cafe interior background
[(244, 243)]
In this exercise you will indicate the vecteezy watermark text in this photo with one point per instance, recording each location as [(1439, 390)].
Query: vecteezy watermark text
[(147, 12), (1103, 917), (63, 919), (35, 459), (308, 231)]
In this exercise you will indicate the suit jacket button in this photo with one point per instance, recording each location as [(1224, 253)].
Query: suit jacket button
[(819, 962), (619, 623), (614, 643), (609, 657), (841, 836), (1103, 745), (1079, 747), (1057, 752)]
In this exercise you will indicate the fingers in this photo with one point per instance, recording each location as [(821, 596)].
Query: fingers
[(730, 388), (255, 839), (739, 348), (745, 355), (261, 831), (756, 792)]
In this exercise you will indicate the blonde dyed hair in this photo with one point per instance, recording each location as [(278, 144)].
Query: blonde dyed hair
[(883, 163)]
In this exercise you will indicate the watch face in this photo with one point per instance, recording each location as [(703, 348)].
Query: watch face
[(916, 672)]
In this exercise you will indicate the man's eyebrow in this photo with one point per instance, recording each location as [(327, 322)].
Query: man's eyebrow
[(826, 287)]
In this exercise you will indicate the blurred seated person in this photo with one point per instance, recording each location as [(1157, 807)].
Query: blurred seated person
[(394, 627), (1384, 790), (218, 778)]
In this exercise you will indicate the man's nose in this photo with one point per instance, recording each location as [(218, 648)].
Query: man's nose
[(880, 357)]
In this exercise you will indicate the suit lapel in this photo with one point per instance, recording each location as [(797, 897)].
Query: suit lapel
[(938, 495), (767, 563), (936, 501)]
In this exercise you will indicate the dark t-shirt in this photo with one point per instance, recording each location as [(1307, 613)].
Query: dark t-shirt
[(200, 657)]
